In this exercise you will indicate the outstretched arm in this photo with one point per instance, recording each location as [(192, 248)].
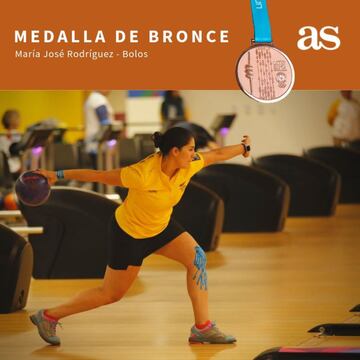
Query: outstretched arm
[(110, 177), (227, 152)]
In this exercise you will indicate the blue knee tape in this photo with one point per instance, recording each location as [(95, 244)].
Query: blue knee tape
[(200, 264)]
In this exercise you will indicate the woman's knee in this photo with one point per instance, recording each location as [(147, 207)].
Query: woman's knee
[(197, 259), (198, 266), (110, 297), (117, 282)]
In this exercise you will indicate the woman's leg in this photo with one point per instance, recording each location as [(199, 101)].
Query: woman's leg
[(185, 250), (115, 285)]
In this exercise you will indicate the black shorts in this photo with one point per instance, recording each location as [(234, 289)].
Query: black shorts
[(124, 250)]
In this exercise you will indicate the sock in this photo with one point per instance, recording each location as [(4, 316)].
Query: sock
[(203, 326), (49, 317)]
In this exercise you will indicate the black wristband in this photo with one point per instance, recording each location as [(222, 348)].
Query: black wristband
[(60, 174), (246, 148)]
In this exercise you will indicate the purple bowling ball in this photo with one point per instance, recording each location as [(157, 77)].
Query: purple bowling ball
[(32, 189)]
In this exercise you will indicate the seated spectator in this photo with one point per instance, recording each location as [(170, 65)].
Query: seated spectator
[(11, 123)]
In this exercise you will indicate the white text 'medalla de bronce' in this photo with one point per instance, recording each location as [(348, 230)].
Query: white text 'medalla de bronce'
[(120, 36)]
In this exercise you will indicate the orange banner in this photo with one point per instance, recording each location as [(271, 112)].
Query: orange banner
[(162, 44)]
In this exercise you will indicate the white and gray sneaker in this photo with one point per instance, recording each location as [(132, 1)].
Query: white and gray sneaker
[(46, 327), (210, 335)]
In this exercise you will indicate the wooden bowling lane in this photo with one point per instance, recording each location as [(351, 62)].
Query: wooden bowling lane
[(267, 289)]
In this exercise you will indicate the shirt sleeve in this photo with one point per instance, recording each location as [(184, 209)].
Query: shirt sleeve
[(102, 114), (197, 164), (131, 177)]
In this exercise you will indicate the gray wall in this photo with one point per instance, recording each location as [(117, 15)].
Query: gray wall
[(296, 123)]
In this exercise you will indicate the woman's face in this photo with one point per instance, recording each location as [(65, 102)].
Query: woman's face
[(14, 122), (185, 155), (347, 94)]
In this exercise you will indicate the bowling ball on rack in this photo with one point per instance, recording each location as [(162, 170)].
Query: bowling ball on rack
[(10, 201)]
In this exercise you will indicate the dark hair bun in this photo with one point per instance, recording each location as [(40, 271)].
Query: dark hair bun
[(158, 138)]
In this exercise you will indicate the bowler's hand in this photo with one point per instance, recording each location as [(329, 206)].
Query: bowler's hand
[(50, 175), (247, 141)]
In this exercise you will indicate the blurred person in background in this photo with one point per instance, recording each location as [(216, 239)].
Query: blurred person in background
[(172, 108), (98, 112), (173, 114), (11, 122), (344, 118)]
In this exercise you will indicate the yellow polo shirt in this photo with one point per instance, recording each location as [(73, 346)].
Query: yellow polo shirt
[(152, 194)]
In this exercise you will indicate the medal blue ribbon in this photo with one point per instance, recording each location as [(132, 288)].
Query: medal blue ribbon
[(261, 21)]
